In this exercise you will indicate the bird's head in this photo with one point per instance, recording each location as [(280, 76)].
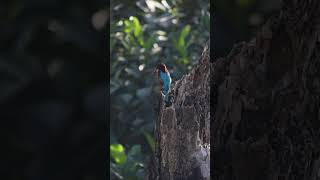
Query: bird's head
[(161, 67)]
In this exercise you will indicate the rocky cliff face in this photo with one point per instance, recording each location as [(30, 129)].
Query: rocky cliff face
[(265, 104), (183, 129)]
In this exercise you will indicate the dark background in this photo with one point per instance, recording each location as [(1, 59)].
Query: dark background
[(53, 89), (234, 21)]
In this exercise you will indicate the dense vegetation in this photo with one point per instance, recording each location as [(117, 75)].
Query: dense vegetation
[(144, 33)]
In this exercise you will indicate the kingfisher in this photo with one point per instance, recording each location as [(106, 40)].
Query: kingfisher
[(165, 80)]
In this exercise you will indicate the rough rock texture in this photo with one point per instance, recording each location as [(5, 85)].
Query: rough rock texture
[(183, 129), (265, 101)]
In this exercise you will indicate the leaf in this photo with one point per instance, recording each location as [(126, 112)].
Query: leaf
[(141, 40), (118, 72), (118, 153), (132, 164), (184, 33), (185, 61), (128, 26), (152, 5), (133, 25), (112, 43), (180, 44), (150, 140), (151, 40), (126, 98), (165, 4), (135, 150), (206, 20), (132, 72), (114, 86), (125, 41), (137, 28)]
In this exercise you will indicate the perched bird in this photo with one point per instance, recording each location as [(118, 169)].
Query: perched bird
[(165, 80)]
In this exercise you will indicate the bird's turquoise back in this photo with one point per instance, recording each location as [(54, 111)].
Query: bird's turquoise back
[(166, 80), (166, 84)]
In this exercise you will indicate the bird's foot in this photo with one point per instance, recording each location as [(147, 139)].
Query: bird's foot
[(169, 101)]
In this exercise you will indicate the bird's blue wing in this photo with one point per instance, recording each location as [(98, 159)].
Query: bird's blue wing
[(166, 83)]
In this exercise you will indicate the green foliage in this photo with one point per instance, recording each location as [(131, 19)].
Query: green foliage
[(143, 35), (133, 25), (150, 140), (181, 45), (117, 152), (127, 166)]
